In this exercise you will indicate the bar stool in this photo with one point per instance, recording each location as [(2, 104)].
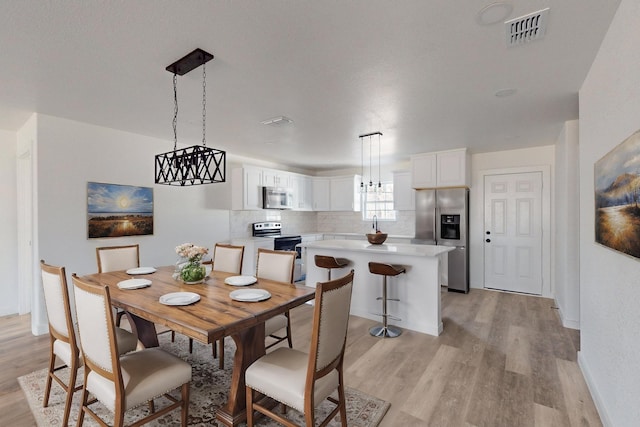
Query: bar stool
[(385, 270), (330, 262)]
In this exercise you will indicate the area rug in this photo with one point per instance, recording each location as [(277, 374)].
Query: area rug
[(209, 387)]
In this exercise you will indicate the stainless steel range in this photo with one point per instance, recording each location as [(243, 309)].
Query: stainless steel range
[(280, 242)]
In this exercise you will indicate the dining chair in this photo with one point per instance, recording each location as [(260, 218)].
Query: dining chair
[(62, 335), (227, 259), (123, 382), (304, 380), (279, 267), (115, 258)]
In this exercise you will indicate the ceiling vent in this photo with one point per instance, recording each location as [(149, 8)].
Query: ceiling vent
[(527, 28), (277, 121)]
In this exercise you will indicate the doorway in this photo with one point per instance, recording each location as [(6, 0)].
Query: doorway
[(513, 232)]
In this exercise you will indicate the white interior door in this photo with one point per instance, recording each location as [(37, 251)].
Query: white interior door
[(513, 232)]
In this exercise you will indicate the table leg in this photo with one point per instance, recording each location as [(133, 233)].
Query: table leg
[(145, 330), (249, 347)]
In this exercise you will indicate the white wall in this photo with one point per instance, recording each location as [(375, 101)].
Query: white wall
[(567, 241), (610, 281), (72, 153), (8, 219), (497, 161)]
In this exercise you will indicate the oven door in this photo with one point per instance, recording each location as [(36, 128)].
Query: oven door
[(291, 243)]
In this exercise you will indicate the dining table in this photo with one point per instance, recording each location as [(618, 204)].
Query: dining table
[(214, 316)]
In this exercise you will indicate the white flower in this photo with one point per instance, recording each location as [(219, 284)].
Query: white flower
[(191, 251)]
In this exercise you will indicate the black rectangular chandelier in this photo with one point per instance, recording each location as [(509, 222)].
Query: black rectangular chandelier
[(197, 164)]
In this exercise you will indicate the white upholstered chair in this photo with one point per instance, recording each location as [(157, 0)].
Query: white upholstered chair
[(228, 259), (116, 258), (122, 382), (303, 380), (277, 266), (64, 347)]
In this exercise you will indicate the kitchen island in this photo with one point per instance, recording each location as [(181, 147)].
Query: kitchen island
[(418, 289)]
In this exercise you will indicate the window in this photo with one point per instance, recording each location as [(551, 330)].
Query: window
[(379, 203)]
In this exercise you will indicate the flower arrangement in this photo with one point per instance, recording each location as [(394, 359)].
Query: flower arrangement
[(192, 271), (191, 252)]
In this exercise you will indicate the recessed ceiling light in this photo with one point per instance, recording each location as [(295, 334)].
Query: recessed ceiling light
[(503, 93), (494, 13), (277, 121)]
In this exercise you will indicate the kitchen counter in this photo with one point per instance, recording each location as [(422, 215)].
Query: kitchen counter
[(408, 249), (418, 290)]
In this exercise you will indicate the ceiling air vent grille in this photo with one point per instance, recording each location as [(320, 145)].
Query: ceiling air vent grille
[(527, 28)]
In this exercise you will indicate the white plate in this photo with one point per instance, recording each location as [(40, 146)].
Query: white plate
[(250, 295), (240, 280), (134, 284), (141, 270), (179, 298)]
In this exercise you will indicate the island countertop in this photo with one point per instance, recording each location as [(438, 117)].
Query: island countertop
[(407, 249)]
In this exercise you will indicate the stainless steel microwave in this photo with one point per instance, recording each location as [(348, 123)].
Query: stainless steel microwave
[(277, 198)]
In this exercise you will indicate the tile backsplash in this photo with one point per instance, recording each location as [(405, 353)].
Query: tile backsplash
[(296, 222)]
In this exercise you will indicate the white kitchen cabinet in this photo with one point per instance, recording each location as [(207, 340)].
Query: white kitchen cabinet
[(302, 186), (404, 196), (276, 178), (246, 188), (344, 193), (440, 169), (321, 194), (423, 170)]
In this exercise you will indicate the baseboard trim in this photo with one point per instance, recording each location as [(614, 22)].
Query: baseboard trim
[(567, 323), (595, 395)]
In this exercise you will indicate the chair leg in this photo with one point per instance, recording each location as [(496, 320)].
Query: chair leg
[(119, 315), (185, 404), (71, 388), (190, 345), (342, 403), (83, 404), (289, 330), (47, 387), (250, 407)]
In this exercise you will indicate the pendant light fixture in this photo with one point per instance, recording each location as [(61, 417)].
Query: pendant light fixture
[(370, 187), (197, 164)]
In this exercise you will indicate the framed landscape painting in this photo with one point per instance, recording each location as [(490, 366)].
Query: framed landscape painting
[(118, 210), (617, 197)]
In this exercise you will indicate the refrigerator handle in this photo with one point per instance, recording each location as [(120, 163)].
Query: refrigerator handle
[(436, 225)]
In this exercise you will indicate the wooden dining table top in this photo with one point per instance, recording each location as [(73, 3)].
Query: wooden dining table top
[(214, 316)]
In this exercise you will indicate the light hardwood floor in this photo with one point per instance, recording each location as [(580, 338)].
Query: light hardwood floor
[(502, 360)]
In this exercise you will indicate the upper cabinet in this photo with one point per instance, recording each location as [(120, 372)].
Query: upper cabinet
[(276, 178), (344, 193), (246, 188), (440, 169), (321, 194), (404, 196), (302, 186), (309, 193)]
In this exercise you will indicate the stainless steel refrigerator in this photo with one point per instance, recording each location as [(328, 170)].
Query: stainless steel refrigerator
[(442, 218)]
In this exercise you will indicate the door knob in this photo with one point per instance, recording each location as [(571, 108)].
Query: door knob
[(488, 240), (488, 232)]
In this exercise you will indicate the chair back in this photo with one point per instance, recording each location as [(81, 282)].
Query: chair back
[(115, 258), (330, 324), (227, 258), (56, 299), (276, 265), (96, 329)]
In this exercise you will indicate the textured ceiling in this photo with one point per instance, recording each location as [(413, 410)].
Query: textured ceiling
[(424, 73)]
